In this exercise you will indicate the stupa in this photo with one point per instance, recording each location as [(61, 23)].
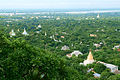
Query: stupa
[(25, 33), (89, 60), (12, 33), (98, 16)]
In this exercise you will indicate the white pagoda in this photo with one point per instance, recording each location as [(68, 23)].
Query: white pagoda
[(12, 33), (39, 26), (58, 18), (89, 60), (98, 16), (25, 33), (45, 34), (18, 30)]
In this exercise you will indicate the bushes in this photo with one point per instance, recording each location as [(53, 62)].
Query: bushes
[(99, 68), (21, 61)]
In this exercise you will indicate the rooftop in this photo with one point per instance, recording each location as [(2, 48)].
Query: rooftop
[(96, 75)]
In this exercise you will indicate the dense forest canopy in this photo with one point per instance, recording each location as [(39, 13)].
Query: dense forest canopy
[(38, 55)]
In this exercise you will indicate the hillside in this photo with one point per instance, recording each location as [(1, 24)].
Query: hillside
[(31, 46)]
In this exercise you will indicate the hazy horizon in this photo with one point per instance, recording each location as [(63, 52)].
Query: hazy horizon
[(59, 4)]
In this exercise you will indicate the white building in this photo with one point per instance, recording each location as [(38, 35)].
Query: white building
[(51, 37), (76, 53), (37, 31), (116, 47), (8, 25), (58, 18), (101, 43), (25, 33), (65, 48), (11, 14), (96, 75), (37, 17), (112, 67), (45, 34), (97, 45), (89, 60), (97, 30), (69, 55), (12, 33), (38, 27), (93, 35)]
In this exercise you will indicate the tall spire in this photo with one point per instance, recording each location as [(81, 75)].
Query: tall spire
[(89, 60), (25, 33), (90, 57), (39, 26), (98, 16), (12, 33)]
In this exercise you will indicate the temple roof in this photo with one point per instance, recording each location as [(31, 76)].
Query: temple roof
[(39, 26)]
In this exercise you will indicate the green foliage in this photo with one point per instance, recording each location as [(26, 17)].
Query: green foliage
[(38, 57), (99, 68), (114, 77), (106, 74), (92, 78)]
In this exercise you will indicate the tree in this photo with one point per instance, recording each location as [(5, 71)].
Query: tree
[(106, 74), (99, 68), (114, 77)]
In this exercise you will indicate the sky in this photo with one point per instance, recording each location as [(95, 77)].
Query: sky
[(59, 4)]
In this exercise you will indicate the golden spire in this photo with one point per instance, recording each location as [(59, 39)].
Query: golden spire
[(90, 57)]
